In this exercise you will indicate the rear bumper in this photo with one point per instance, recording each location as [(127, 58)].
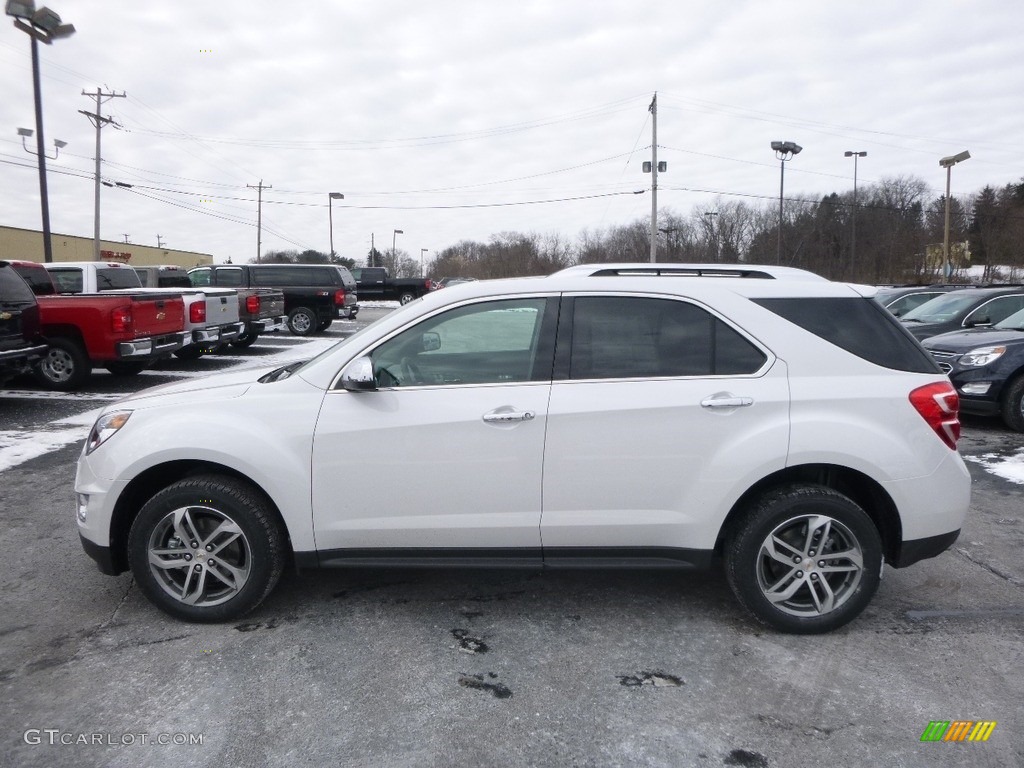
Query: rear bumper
[(915, 550), (217, 333), (138, 349), (270, 324)]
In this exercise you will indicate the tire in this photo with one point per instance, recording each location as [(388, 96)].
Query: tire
[(125, 368), (1013, 405), (324, 325), (406, 297), (65, 366), (789, 520), (302, 321), (193, 352), (247, 339), (207, 548)]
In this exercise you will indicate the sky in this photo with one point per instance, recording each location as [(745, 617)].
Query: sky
[(463, 119)]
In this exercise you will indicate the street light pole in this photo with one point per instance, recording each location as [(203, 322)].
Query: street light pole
[(853, 240), (394, 235), (948, 163), (331, 197), (42, 25), (784, 151)]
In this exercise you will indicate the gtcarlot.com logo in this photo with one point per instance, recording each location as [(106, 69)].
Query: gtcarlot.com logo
[(958, 730)]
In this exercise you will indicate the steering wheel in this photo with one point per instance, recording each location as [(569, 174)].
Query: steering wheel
[(411, 373)]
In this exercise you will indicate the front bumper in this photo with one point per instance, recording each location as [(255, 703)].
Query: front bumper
[(150, 347)]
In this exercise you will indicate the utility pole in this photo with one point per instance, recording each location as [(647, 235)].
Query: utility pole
[(99, 122), (159, 242), (654, 177), (259, 216), (126, 238)]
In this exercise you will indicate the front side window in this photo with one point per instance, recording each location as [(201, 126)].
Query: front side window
[(492, 342), (200, 277), (631, 337), (995, 311)]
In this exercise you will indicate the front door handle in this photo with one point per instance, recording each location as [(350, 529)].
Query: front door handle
[(501, 416), (726, 400)]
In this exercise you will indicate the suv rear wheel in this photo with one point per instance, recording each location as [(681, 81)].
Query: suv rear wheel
[(206, 548), (65, 366), (805, 559)]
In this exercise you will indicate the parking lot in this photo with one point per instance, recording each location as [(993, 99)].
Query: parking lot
[(465, 668)]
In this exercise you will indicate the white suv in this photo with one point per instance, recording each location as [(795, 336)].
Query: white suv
[(609, 415)]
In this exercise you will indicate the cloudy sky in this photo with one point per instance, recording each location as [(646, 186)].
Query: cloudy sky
[(461, 119)]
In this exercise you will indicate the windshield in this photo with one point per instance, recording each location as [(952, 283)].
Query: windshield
[(943, 308), (1014, 322)]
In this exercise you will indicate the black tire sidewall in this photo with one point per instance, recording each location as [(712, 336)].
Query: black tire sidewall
[(1011, 405), (242, 505), (774, 509)]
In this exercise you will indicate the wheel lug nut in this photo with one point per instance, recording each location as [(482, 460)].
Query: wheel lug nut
[(811, 553), (796, 559), (821, 563), (198, 567), (209, 547), (187, 557), (194, 544)]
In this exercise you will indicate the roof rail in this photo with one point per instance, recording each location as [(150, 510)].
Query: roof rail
[(693, 270)]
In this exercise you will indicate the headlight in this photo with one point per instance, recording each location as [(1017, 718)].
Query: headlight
[(105, 426), (982, 356)]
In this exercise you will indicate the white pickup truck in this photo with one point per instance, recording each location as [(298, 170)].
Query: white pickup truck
[(211, 314)]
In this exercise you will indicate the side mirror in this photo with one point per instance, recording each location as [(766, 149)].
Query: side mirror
[(973, 322), (358, 376), (431, 341)]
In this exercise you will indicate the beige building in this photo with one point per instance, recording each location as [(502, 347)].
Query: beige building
[(27, 244)]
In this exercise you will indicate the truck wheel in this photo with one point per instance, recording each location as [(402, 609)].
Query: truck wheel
[(125, 367), (805, 559), (189, 353), (406, 297), (65, 366), (247, 339), (302, 321), (324, 325), (1013, 404), (207, 548)]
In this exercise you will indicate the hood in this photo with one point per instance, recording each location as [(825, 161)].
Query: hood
[(218, 386), (921, 331), (964, 341)]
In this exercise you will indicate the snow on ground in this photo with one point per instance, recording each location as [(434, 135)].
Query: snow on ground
[(1007, 467), (17, 446)]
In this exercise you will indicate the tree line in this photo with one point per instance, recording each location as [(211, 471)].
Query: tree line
[(894, 234)]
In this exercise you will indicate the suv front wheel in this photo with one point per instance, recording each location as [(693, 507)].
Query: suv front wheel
[(805, 559)]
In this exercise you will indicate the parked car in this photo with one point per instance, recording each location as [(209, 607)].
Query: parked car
[(314, 294), (783, 423), (900, 299), (92, 276), (20, 345), (375, 284), (986, 365), (966, 308)]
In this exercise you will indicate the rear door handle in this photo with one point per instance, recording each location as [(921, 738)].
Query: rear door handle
[(726, 401)]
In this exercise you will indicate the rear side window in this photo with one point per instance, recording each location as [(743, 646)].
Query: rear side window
[(293, 276), (860, 326), (112, 279), (230, 276), (67, 280), (632, 337)]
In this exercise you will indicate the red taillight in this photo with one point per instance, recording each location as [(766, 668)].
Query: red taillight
[(252, 305), (121, 320), (339, 297), (939, 405), (197, 312)]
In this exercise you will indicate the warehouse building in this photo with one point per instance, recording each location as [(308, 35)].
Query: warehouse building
[(27, 244)]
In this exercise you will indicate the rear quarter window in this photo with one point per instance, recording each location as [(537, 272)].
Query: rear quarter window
[(860, 326)]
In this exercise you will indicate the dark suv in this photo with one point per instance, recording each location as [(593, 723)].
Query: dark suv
[(19, 325), (900, 299), (314, 294), (986, 365), (967, 308)]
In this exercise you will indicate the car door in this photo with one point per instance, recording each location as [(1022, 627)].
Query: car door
[(444, 457), (658, 411)]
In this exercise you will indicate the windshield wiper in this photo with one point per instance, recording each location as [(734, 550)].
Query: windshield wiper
[(282, 373)]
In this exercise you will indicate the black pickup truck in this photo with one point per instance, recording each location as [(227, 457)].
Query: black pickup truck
[(19, 325), (374, 284), (314, 294)]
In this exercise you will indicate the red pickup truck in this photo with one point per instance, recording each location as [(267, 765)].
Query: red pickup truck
[(122, 330)]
